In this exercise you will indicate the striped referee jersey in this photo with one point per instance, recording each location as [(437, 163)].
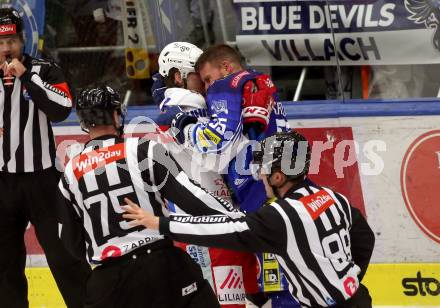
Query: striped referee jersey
[(310, 231), (110, 169), (27, 107)]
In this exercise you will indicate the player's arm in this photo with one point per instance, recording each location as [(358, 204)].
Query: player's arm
[(216, 135), (164, 175), (263, 230), (362, 241), (71, 230), (49, 93)]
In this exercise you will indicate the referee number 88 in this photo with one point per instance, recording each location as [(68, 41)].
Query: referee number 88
[(337, 248)]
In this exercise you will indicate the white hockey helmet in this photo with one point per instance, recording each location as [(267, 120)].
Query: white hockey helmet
[(180, 55)]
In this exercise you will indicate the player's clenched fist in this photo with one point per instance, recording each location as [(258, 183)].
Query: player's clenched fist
[(258, 102)]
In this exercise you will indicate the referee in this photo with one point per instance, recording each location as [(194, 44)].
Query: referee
[(323, 244), (135, 267), (33, 93)]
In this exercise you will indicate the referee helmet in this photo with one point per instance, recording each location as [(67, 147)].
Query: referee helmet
[(10, 23), (288, 152), (95, 107)]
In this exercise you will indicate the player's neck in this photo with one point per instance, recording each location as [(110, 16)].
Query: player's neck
[(281, 191), (99, 131)]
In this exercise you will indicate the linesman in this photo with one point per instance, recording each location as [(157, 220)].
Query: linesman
[(322, 243), (135, 267)]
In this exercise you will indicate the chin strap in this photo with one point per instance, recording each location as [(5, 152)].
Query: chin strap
[(120, 129)]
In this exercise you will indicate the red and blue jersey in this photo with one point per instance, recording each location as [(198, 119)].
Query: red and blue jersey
[(225, 129)]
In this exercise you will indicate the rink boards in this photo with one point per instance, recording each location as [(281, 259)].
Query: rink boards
[(383, 280)]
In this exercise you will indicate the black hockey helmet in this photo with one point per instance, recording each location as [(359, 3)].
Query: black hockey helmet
[(10, 22), (288, 152), (95, 107)]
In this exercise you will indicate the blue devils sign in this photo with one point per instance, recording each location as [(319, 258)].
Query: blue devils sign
[(354, 32)]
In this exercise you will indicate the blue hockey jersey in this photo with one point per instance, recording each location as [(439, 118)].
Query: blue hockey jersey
[(224, 102)]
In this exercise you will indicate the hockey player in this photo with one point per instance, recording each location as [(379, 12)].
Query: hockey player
[(323, 244), (219, 266), (240, 103)]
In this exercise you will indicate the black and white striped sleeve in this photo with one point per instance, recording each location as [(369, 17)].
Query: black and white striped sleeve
[(174, 185), (71, 230), (362, 241), (49, 93), (262, 231)]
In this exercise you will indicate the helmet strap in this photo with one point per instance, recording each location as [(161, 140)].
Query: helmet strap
[(120, 129)]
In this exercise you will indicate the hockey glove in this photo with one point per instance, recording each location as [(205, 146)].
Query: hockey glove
[(158, 89), (178, 123), (258, 103)]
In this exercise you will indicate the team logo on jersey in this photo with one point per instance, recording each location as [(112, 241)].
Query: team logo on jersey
[(229, 285), (219, 106), (239, 182), (87, 162), (317, 203)]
